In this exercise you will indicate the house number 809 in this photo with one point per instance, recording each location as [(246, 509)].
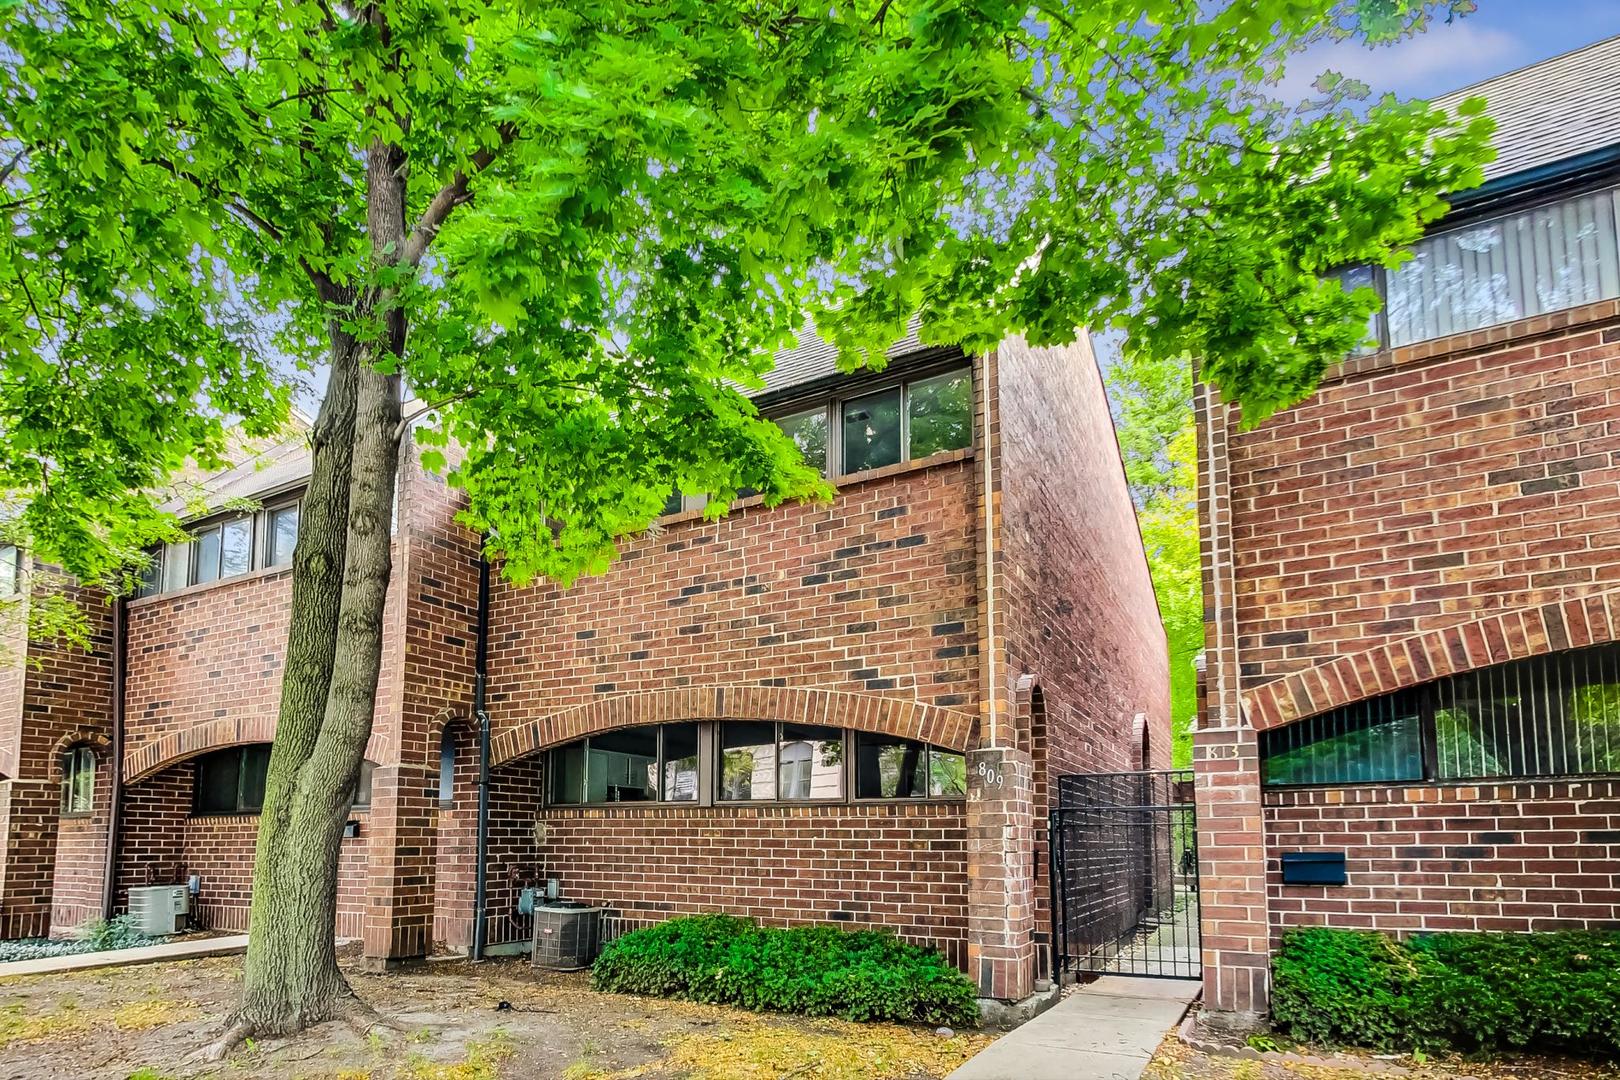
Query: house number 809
[(989, 774)]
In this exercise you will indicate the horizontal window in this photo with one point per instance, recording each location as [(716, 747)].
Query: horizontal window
[(224, 548), (741, 761), (1546, 258), (1555, 715), (231, 781)]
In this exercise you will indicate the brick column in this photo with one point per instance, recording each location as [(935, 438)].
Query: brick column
[(1226, 761), (1001, 879), (401, 856), (28, 811)]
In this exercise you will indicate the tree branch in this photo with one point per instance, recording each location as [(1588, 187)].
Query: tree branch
[(448, 198)]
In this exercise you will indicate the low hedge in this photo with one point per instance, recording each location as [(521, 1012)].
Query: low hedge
[(1450, 991), (810, 970)]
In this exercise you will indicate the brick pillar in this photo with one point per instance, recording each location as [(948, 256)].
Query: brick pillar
[(401, 856), (28, 810), (1001, 872), (1226, 761)]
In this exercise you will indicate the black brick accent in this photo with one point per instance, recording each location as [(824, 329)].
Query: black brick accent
[(949, 628)]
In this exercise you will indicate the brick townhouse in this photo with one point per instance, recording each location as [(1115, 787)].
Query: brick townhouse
[(846, 712), (1412, 681)]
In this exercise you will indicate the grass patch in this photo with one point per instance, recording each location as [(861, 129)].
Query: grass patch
[(482, 1062)]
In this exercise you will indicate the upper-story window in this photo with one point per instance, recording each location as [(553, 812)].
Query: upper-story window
[(748, 761), (1558, 255), (902, 422), (1555, 715), (225, 547), (10, 570)]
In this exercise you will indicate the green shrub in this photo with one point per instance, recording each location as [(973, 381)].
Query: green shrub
[(1459, 991), (810, 970), (118, 932)]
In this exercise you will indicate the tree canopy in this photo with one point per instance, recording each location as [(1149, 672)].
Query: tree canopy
[(617, 209)]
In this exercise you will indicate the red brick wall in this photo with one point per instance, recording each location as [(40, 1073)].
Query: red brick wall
[(1505, 856), (81, 857), (1431, 491)]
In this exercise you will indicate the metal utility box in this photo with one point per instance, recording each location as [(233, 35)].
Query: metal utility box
[(566, 935), (160, 910), (1313, 868)]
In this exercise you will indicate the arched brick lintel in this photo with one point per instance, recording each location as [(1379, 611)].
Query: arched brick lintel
[(1434, 654), (950, 728), (153, 757)]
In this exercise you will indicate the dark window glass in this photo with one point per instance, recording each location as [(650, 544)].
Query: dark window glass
[(747, 760), (680, 762), (255, 767), (872, 431), (151, 579), (447, 767), (808, 430), (810, 762), (1372, 742), (362, 787), (283, 535), (889, 767), (10, 560), (674, 504), (622, 766), (939, 412), (78, 780), (568, 773), (218, 782)]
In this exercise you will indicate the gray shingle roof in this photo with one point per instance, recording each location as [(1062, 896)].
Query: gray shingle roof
[(1556, 109), (813, 358)]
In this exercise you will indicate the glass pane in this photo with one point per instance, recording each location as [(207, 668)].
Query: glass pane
[(176, 566), (447, 767), (1535, 261), (622, 766), (151, 578), (747, 760), (218, 775), (872, 431), (283, 535), (940, 413), (1370, 742), (236, 547), (889, 767), (1350, 279), (808, 430), (8, 570), (568, 773), (947, 772), (255, 766), (810, 762), (674, 504), (84, 780), (362, 786), (207, 556), (680, 762)]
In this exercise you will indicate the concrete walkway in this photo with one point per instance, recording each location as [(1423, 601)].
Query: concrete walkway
[(1105, 1031), (146, 954)]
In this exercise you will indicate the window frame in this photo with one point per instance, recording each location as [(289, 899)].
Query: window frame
[(73, 765), (548, 769), (261, 546), (240, 752), (709, 755)]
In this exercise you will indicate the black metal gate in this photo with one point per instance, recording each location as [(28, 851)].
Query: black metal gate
[(1124, 853)]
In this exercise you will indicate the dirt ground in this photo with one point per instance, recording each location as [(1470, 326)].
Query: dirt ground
[(142, 1023), (1178, 1061)]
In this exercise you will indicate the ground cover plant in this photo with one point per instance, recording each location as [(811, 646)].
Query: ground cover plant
[(97, 935), (810, 970)]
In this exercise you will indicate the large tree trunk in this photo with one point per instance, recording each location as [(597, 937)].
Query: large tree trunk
[(329, 687)]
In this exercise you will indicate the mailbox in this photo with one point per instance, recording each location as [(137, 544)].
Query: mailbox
[(1313, 867)]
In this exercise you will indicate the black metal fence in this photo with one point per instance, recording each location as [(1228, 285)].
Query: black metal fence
[(1124, 853)]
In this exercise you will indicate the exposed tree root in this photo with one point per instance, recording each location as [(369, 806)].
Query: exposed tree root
[(233, 1037), (349, 1009)]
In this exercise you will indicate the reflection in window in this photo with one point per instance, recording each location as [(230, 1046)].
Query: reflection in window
[(282, 535), (10, 570), (231, 781), (747, 760), (680, 763), (1554, 715), (810, 762), (78, 780), (939, 413), (889, 767), (808, 430), (624, 766), (447, 766), (872, 431)]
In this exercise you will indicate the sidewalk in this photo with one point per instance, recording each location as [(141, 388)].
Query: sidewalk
[(1106, 1031), (145, 954)]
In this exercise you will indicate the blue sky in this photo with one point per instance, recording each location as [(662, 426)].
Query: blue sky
[(1500, 36)]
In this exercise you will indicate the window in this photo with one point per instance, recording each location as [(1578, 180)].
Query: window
[(222, 551), (281, 535), (626, 766), (361, 799), (872, 436), (919, 418), (447, 767), (232, 781), (10, 570), (808, 430), (760, 760), (1555, 715), (889, 767), (78, 780), (1558, 255)]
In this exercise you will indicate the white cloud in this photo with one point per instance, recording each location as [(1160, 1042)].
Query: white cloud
[(1446, 57)]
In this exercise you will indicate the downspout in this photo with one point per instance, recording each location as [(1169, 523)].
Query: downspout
[(481, 715), (115, 799)]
